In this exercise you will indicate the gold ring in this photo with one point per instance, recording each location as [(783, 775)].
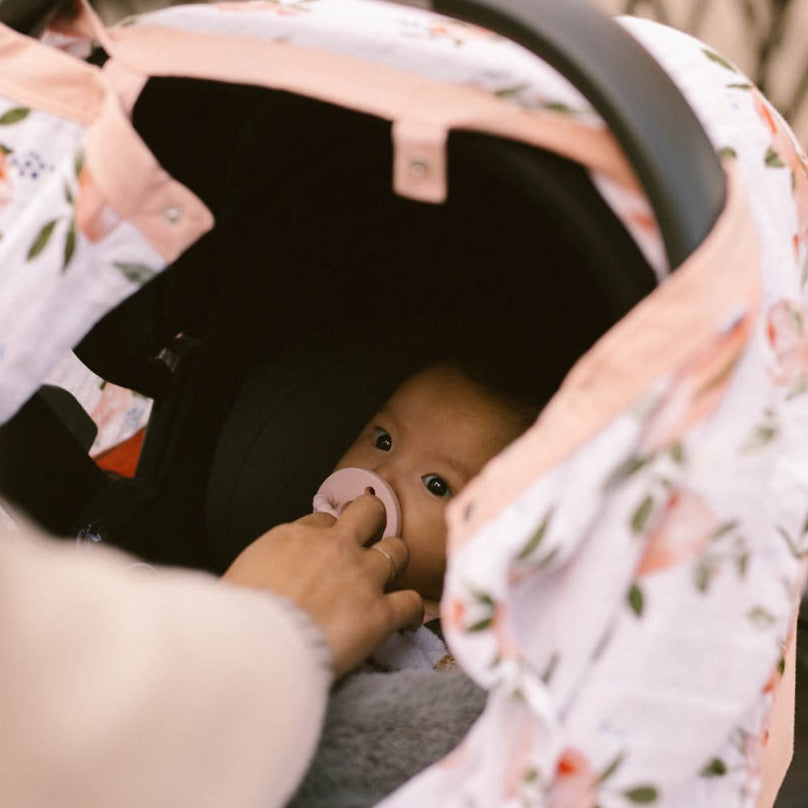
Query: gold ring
[(389, 556)]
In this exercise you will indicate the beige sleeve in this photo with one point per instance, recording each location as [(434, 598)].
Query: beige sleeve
[(122, 687)]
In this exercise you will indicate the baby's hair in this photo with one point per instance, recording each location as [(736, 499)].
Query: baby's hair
[(504, 359)]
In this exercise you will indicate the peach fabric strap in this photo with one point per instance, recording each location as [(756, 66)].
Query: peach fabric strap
[(49, 80), (138, 188), (716, 285), (779, 750), (423, 111)]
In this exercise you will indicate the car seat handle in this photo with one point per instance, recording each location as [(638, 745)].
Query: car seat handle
[(655, 126)]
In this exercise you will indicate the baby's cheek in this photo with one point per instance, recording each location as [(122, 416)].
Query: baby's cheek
[(430, 551), (351, 459)]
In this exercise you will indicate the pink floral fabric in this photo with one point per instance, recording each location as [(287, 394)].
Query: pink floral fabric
[(627, 608), (66, 255)]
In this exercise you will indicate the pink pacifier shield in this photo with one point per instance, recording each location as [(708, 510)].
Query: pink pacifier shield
[(345, 485)]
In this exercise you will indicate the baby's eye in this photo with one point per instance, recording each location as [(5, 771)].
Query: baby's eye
[(382, 439), (437, 486)]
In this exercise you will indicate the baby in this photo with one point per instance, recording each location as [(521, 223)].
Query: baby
[(432, 436), (435, 432)]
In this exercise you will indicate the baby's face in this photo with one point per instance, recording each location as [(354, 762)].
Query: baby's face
[(432, 436)]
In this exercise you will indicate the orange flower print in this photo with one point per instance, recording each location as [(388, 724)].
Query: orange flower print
[(685, 526), (697, 389), (6, 190), (786, 333), (94, 216), (575, 783), (775, 677), (453, 614), (784, 152)]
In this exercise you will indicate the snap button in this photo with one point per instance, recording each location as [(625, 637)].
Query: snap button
[(172, 214), (419, 166), (419, 160)]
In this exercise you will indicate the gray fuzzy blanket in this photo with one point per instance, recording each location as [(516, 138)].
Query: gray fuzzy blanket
[(383, 728)]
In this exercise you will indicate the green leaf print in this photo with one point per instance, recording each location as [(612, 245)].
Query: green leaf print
[(611, 768), (641, 795), (536, 539), (724, 528), (794, 545), (512, 91), (489, 609), (800, 388), (678, 453), (5, 149), (136, 273), (78, 162), (546, 559), (550, 668), (70, 244), (633, 465), (727, 153), (772, 159), (558, 106), (715, 768), (718, 59), (636, 600), (41, 241), (639, 518), (14, 116), (761, 616), (483, 597), (702, 575), (762, 436)]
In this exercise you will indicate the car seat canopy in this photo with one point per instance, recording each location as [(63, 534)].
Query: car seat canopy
[(635, 559)]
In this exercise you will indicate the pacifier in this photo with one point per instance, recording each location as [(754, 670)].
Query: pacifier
[(345, 485)]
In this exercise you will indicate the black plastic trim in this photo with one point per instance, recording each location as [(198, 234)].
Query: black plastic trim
[(656, 127)]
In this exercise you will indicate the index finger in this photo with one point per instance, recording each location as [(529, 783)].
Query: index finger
[(318, 518), (363, 519)]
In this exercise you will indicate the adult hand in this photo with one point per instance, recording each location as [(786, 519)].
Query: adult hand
[(321, 564)]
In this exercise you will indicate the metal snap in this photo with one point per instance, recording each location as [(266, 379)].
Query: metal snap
[(172, 214), (419, 166)]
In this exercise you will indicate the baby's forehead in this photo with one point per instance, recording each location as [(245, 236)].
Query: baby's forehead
[(446, 386), (439, 381), (443, 395)]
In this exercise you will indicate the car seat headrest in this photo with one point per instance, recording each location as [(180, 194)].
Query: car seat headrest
[(293, 418), (297, 413)]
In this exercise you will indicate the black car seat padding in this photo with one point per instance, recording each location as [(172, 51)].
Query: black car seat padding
[(310, 240)]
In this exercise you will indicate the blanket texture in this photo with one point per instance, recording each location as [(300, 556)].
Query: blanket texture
[(383, 728)]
